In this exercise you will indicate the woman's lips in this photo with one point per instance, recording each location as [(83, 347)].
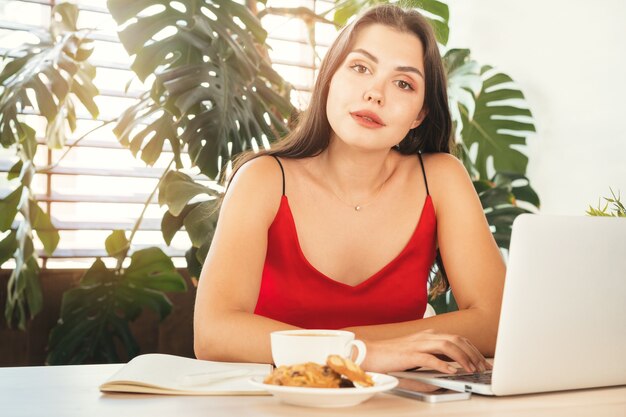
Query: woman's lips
[(369, 121)]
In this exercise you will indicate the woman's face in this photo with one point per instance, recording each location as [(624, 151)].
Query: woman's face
[(377, 94)]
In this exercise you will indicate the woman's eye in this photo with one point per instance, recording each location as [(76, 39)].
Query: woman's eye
[(404, 85), (359, 68)]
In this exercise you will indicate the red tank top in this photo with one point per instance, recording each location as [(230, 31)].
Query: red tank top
[(293, 291)]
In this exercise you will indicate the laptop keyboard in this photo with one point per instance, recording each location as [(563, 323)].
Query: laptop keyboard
[(478, 378)]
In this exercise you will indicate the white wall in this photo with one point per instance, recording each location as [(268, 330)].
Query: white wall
[(569, 59)]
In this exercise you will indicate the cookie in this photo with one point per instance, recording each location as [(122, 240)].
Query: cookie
[(350, 370), (308, 374)]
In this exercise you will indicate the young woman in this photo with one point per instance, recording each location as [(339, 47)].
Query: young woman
[(339, 224)]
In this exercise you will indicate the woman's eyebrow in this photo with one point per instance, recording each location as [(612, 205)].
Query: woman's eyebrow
[(410, 69), (367, 54), (403, 68)]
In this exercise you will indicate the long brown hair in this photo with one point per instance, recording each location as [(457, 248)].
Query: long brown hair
[(312, 132)]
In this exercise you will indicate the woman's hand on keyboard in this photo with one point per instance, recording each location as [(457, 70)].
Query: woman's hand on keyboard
[(424, 349)]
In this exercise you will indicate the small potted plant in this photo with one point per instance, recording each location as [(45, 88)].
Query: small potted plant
[(613, 207)]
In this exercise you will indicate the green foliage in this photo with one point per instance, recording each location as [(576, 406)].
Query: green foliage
[(617, 207), (24, 298), (464, 82), (8, 246), (56, 70), (345, 9), (176, 191), (499, 198), (215, 91), (95, 316), (489, 113), (444, 303), (9, 208), (42, 224), (117, 244), (59, 76), (497, 125)]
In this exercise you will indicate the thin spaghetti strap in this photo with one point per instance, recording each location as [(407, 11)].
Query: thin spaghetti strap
[(281, 170), (419, 154)]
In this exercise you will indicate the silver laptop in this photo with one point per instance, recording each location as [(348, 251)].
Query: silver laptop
[(563, 319)]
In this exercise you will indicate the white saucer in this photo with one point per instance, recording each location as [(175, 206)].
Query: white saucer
[(327, 397)]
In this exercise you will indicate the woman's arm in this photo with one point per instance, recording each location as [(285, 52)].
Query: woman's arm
[(472, 260), (225, 327)]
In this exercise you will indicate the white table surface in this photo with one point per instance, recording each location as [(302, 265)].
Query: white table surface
[(73, 391)]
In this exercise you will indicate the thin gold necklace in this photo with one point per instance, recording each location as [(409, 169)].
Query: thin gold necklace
[(358, 207)]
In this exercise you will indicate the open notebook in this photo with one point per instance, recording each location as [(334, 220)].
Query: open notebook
[(174, 375)]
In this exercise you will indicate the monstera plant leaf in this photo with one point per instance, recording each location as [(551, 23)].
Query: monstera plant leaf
[(24, 296), (95, 316), (52, 77), (58, 74), (41, 223), (345, 9), (8, 245), (116, 244), (214, 90), (464, 83), (499, 125), (490, 116), (486, 111), (193, 206), (9, 206), (500, 198)]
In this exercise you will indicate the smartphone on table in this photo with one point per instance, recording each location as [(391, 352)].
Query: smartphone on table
[(429, 393)]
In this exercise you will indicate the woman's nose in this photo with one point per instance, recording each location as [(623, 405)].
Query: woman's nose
[(374, 96)]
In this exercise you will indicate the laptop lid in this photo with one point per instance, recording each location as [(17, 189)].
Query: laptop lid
[(563, 319)]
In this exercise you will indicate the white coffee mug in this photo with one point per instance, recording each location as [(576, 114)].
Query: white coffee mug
[(290, 347)]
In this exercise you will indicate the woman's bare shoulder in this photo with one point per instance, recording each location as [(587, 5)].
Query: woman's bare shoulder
[(443, 167), (442, 161), (257, 183), (259, 169), (448, 180)]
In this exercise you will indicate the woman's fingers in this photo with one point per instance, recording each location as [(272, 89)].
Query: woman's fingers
[(461, 350), (431, 361), (479, 359), (451, 350)]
